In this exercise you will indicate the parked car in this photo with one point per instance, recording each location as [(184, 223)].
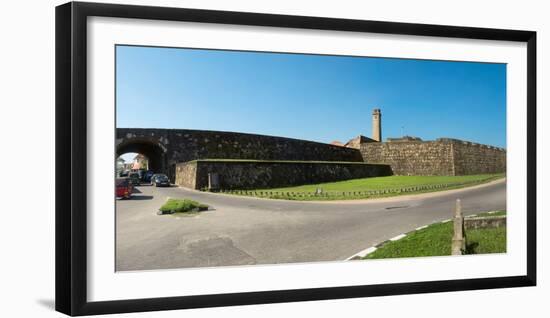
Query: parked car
[(124, 173), (141, 173), (123, 188), (160, 180), (134, 177), (148, 175)]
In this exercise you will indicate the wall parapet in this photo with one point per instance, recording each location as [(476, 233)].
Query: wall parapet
[(469, 143)]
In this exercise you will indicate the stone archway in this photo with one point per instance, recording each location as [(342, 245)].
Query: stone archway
[(154, 151)]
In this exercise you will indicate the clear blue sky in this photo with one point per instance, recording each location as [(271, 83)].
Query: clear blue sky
[(313, 97)]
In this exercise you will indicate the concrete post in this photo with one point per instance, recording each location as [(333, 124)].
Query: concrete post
[(377, 125), (459, 239)]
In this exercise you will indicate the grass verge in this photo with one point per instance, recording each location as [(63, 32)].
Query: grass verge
[(172, 206), (369, 187), (492, 213), (435, 240)]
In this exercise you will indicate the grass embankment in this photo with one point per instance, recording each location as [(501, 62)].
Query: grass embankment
[(435, 240), (172, 206), (370, 187)]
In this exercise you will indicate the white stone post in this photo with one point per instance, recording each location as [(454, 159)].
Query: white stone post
[(459, 240)]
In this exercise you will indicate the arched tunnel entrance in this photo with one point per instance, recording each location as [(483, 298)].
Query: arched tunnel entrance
[(155, 153)]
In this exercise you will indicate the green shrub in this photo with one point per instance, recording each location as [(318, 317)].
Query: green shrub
[(182, 205)]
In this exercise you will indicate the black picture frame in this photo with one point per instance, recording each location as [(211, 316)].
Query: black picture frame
[(71, 194)]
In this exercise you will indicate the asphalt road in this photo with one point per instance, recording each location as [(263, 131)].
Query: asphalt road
[(241, 230)]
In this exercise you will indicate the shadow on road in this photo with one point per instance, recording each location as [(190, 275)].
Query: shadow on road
[(142, 197)]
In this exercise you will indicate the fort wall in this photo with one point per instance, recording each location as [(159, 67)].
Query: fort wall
[(473, 158), (411, 158), (166, 147), (245, 174), (440, 157)]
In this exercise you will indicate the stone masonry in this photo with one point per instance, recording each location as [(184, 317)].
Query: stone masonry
[(246, 174), (167, 147), (443, 156), (264, 161)]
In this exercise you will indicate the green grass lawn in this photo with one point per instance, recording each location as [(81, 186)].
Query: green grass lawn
[(435, 240), (495, 213), (371, 187), (172, 206)]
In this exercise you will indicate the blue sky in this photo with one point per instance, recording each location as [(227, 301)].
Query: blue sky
[(313, 97)]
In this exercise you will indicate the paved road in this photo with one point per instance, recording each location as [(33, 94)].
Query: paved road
[(242, 230)]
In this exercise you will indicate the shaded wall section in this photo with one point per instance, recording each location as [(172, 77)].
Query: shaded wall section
[(245, 174), (182, 145)]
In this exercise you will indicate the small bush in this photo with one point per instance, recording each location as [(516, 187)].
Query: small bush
[(182, 205)]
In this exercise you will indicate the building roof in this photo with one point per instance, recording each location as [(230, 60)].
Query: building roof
[(404, 138), (337, 143), (357, 141)]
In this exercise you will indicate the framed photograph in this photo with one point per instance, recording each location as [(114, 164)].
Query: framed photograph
[(213, 158)]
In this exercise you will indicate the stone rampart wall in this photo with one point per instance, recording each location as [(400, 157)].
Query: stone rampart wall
[(167, 147), (472, 158), (411, 158), (439, 157), (271, 174)]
